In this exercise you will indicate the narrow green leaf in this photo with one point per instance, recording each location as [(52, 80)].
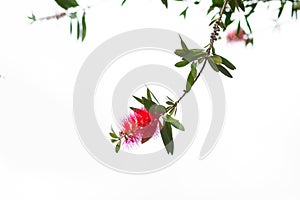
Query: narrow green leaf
[(66, 4), (227, 63), (183, 13), (118, 147), (113, 135), (232, 4), (149, 95), (194, 54), (182, 63), (183, 45), (114, 140), (170, 99), (224, 71), (191, 78), (123, 2), (138, 99), (201, 60), (241, 4), (153, 96), (212, 64), (238, 28), (212, 21), (71, 27), (179, 52), (167, 137), (172, 111), (78, 29), (165, 2), (174, 122), (132, 108), (248, 24), (147, 103), (170, 103), (83, 35)]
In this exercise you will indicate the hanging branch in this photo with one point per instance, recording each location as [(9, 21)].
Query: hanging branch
[(210, 47)]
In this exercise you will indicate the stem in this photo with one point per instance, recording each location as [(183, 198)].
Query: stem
[(57, 16), (60, 15), (211, 44)]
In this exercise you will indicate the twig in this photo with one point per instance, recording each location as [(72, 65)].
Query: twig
[(213, 38)]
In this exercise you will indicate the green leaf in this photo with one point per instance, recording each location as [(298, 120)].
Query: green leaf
[(138, 99), (133, 108), (170, 99), (147, 103), (114, 140), (157, 110), (172, 111), (227, 63), (165, 2), (191, 78), (183, 13), (224, 71), (201, 60), (174, 122), (66, 4), (113, 135), (149, 95), (213, 64), (118, 147), (248, 24), (190, 54), (241, 4), (183, 45), (232, 4), (170, 103), (71, 27), (194, 54), (124, 1), (179, 52), (78, 29), (83, 27), (217, 59), (182, 63), (73, 15), (218, 3), (32, 17), (167, 137), (153, 95), (144, 101), (238, 29)]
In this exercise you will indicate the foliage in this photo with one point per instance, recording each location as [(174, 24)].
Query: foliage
[(155, 116)]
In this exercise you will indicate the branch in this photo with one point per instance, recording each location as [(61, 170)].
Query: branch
[(213, 38)]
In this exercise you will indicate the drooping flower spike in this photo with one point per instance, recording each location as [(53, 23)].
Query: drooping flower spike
[(138, 127)]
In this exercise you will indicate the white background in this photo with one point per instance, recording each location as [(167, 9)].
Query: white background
[(41, 156)]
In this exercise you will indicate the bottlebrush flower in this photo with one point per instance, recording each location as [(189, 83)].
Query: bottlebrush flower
[(234, 37), (139, 127)]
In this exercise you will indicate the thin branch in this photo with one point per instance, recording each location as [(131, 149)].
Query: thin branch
[(213, 38)]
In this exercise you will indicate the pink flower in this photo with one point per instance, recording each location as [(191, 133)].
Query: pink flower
[(138, 127), (234, 37)]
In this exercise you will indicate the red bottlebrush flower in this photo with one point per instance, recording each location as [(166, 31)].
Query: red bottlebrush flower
[(234, 37), (138, 127)]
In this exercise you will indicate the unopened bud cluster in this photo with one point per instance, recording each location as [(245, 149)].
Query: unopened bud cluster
[(215, 33)]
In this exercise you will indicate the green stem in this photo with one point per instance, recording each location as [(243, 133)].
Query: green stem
[(208, 51)]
